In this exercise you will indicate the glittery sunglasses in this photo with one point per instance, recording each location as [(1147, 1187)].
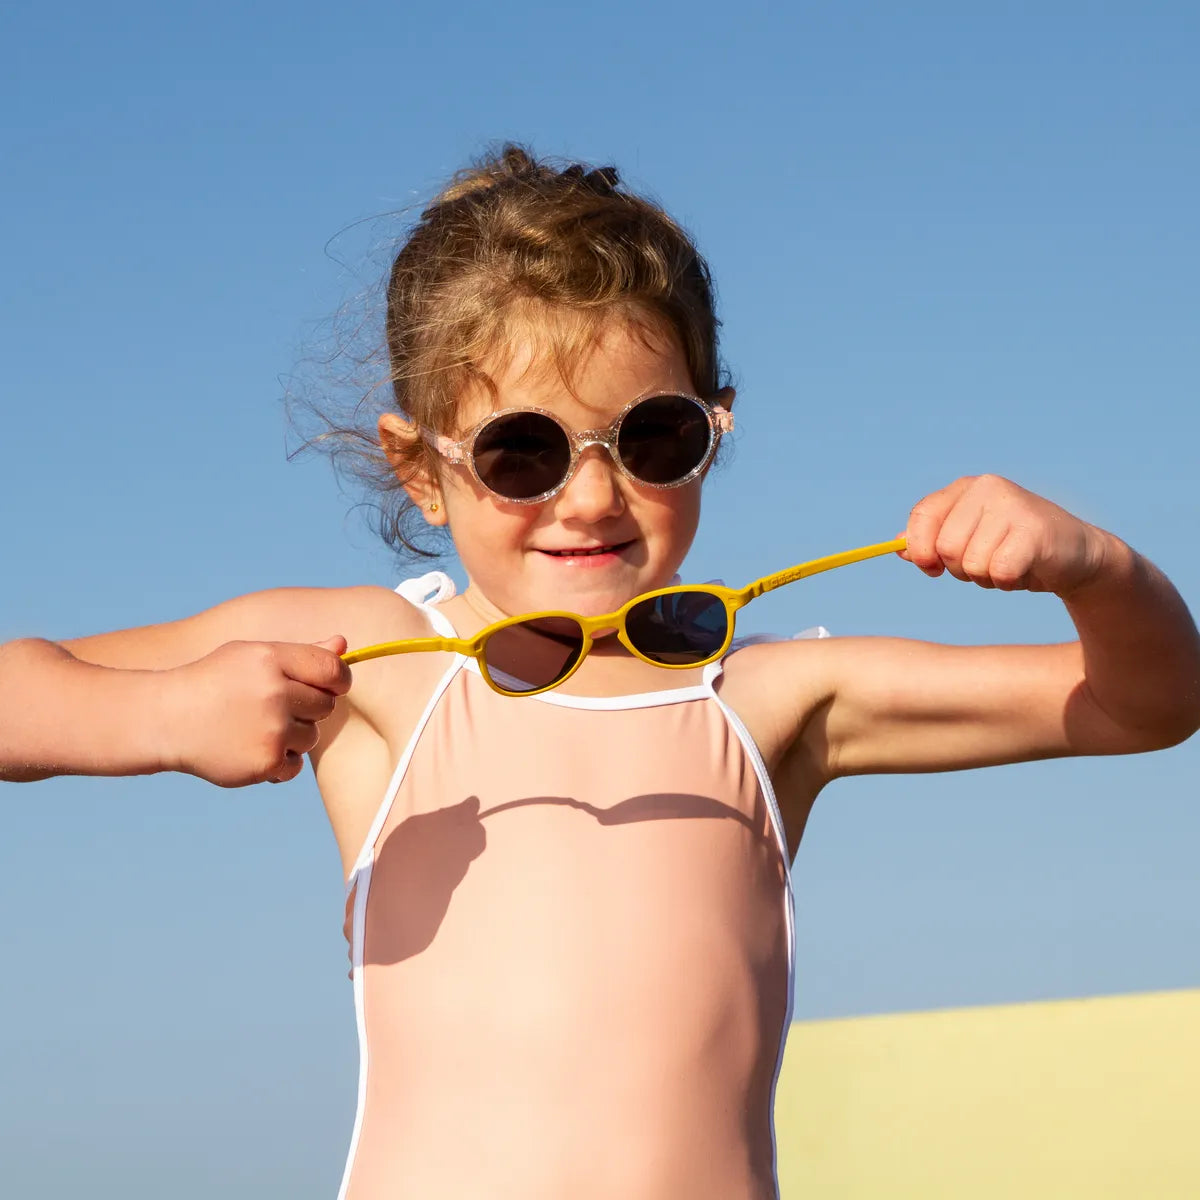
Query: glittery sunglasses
[(527, 455)]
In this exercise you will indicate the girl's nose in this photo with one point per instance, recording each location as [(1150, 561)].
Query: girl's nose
[(594, 491)]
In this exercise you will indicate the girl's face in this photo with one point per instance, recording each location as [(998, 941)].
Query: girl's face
[(603, 538)]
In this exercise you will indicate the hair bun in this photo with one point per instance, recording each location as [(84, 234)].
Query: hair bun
[(516, 160), (601, 180)]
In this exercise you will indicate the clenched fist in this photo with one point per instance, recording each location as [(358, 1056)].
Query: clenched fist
[(987, 530), (249, 711)]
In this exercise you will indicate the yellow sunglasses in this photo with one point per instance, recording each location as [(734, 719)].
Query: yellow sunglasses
[(689, 625)]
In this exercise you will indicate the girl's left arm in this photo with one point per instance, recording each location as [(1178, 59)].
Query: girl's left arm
[(1131, 683)]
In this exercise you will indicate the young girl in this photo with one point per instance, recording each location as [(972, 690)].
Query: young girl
[(569, 913)]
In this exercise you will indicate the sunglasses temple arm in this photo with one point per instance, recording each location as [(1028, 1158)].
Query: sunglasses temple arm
[(408, 646), (767, 584), (770, 582)]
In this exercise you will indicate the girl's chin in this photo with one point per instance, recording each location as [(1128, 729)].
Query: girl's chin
[(588, 593), (594, 603), (575, 584)]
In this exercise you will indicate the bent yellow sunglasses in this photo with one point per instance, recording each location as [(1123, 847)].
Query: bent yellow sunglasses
[(681, 627)]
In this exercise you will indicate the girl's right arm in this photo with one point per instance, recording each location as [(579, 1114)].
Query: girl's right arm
[(215, 695)]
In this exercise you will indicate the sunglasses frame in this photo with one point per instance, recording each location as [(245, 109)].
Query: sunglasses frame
[(462, 452), (733, 599)]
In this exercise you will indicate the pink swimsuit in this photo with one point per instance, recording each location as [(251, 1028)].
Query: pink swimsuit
[(571, 936)]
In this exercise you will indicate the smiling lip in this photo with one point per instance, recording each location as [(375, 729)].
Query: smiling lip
[(593, 555)]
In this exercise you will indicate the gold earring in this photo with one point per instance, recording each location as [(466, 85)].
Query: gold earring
[(434, 506)]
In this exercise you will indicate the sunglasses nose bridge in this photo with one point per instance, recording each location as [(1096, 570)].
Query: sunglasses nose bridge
[(595, 437), (586, 438)]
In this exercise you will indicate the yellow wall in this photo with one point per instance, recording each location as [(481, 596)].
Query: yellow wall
[(1077, 1098)]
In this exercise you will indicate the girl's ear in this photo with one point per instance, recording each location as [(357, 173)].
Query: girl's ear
[(398, 438), (725, 398)]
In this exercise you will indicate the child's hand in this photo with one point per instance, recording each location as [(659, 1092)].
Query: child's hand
[(987, 530), (249, 711)]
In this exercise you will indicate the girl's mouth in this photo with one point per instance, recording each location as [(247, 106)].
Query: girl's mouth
[(588, 556)]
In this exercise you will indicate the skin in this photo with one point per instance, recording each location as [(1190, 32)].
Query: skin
[(238, 694)]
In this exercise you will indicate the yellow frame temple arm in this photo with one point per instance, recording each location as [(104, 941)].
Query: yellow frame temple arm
[(768, 583), (738, 597)]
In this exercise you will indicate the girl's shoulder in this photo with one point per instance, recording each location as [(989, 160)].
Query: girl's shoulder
[(771, 682), (361, 613), (757, 661)]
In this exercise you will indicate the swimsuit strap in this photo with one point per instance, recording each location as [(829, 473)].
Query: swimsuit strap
[(427, 590)]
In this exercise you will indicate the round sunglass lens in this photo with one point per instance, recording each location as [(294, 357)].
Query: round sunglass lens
[(679, 628), (535, 654), (663, 439), (522, 455)]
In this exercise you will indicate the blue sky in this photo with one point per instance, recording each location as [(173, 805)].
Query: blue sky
[(947, 239)]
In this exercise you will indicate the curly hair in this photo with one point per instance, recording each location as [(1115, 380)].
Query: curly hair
[(517, 244)]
